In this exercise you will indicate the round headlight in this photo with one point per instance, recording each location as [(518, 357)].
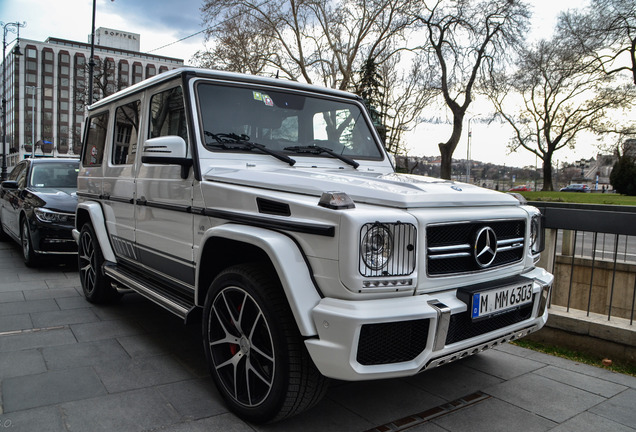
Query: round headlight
[(377, 247), (536, 234)]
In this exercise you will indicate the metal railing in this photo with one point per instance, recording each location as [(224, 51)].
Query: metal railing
[(592, 239)]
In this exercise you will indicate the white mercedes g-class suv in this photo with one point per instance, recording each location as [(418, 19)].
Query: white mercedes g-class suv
[(270, 211)]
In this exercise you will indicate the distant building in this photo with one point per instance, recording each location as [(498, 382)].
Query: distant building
[(47, 87)]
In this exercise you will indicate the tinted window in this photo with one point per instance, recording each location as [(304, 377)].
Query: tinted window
[(167, 114), (95, 140), (126, 133), (57, 175), (283, 121)]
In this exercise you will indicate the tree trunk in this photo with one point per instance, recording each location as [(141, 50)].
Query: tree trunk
[(447, 149), (547, 174)]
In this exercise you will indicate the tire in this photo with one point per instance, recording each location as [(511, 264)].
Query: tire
[(95, 284), (31, 258), (254, 350)]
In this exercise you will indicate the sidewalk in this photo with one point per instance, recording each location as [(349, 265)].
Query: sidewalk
[(67, 365)]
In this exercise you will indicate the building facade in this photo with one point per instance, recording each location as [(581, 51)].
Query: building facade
[(47, 88)]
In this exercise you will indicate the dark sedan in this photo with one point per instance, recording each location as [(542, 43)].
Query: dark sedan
[(37, 207)]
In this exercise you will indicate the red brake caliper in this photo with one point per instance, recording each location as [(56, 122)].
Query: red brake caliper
[(233, 347)]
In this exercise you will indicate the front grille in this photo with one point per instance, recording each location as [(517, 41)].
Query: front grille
[(392, 342), (462, 326), (450, 246)]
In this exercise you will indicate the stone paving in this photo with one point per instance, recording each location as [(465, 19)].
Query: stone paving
[(67, 365)]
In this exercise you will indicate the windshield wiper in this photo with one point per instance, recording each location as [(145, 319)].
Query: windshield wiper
[(318, 150), (233, 141)]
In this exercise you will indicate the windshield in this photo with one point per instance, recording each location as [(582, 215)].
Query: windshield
[(56, 175), (283, 122)]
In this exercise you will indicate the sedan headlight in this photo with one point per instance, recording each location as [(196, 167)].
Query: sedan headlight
[(537, 237), (50, 216)]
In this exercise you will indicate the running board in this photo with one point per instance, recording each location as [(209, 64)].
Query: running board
[(178, 306)]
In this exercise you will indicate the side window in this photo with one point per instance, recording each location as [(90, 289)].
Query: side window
[(126, 133), (167, 114), (21, 178), (15, 172), (95, 140)]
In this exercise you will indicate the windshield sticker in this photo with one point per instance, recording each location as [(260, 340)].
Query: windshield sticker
[(268, 100), (257, 95)]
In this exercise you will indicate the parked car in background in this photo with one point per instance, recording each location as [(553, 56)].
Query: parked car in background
[(37, 207), (576, 188), (520, 188)]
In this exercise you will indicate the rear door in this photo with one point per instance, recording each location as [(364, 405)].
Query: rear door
[(119, 178)]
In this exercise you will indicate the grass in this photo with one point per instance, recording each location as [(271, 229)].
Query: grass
[(581, 198), (576, 356)]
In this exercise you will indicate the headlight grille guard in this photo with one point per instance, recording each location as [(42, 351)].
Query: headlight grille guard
[(399, 261)]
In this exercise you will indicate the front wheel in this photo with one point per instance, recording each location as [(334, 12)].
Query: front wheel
[(254, 350), (30, 257), (95, 284)]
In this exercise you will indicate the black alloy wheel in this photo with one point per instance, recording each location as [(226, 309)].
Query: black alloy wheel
[(95, 284), (254, 350)]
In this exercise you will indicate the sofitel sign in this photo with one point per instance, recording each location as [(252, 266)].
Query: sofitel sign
[(119, 34)]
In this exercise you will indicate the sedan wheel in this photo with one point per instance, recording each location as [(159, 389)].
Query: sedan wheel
[(29, 255)]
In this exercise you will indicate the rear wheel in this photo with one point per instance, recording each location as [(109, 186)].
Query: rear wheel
[(95, 284), (254, 350)]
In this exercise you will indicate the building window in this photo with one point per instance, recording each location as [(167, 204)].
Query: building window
[(151, 71)]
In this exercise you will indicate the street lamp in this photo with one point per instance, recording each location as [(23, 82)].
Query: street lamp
[(91, 61), (13, 27)]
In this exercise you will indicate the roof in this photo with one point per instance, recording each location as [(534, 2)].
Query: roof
[(220, 75)]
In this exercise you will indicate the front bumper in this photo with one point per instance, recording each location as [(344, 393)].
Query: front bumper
[(388, 338), (52, 238)]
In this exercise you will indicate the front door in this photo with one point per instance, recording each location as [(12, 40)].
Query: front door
[(164, 222)]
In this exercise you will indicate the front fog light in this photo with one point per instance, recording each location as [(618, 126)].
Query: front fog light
[(376, 247)]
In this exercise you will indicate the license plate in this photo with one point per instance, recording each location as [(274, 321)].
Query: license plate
[(486, 303)]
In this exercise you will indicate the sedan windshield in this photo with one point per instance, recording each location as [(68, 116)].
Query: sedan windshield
[(284, 123), (55, 175)]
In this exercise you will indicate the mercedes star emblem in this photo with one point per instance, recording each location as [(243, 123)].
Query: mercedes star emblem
[(485, 248)]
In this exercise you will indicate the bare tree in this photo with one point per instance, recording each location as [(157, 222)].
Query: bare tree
[(314, 41), (553, 97), (407, 93), (241, 45), (467, 38), (606, 32)]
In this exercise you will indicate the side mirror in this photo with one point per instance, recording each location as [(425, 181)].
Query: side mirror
[(167, 150), (10, 184)]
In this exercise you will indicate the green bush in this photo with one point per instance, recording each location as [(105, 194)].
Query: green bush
[(623, 176)]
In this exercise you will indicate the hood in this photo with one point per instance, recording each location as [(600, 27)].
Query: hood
[(390, 190), (64, 200)]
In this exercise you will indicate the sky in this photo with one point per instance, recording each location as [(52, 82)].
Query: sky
[(161, 23)]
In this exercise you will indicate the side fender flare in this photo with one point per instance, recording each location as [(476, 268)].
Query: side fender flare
[(96, 215), (289, 263)]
